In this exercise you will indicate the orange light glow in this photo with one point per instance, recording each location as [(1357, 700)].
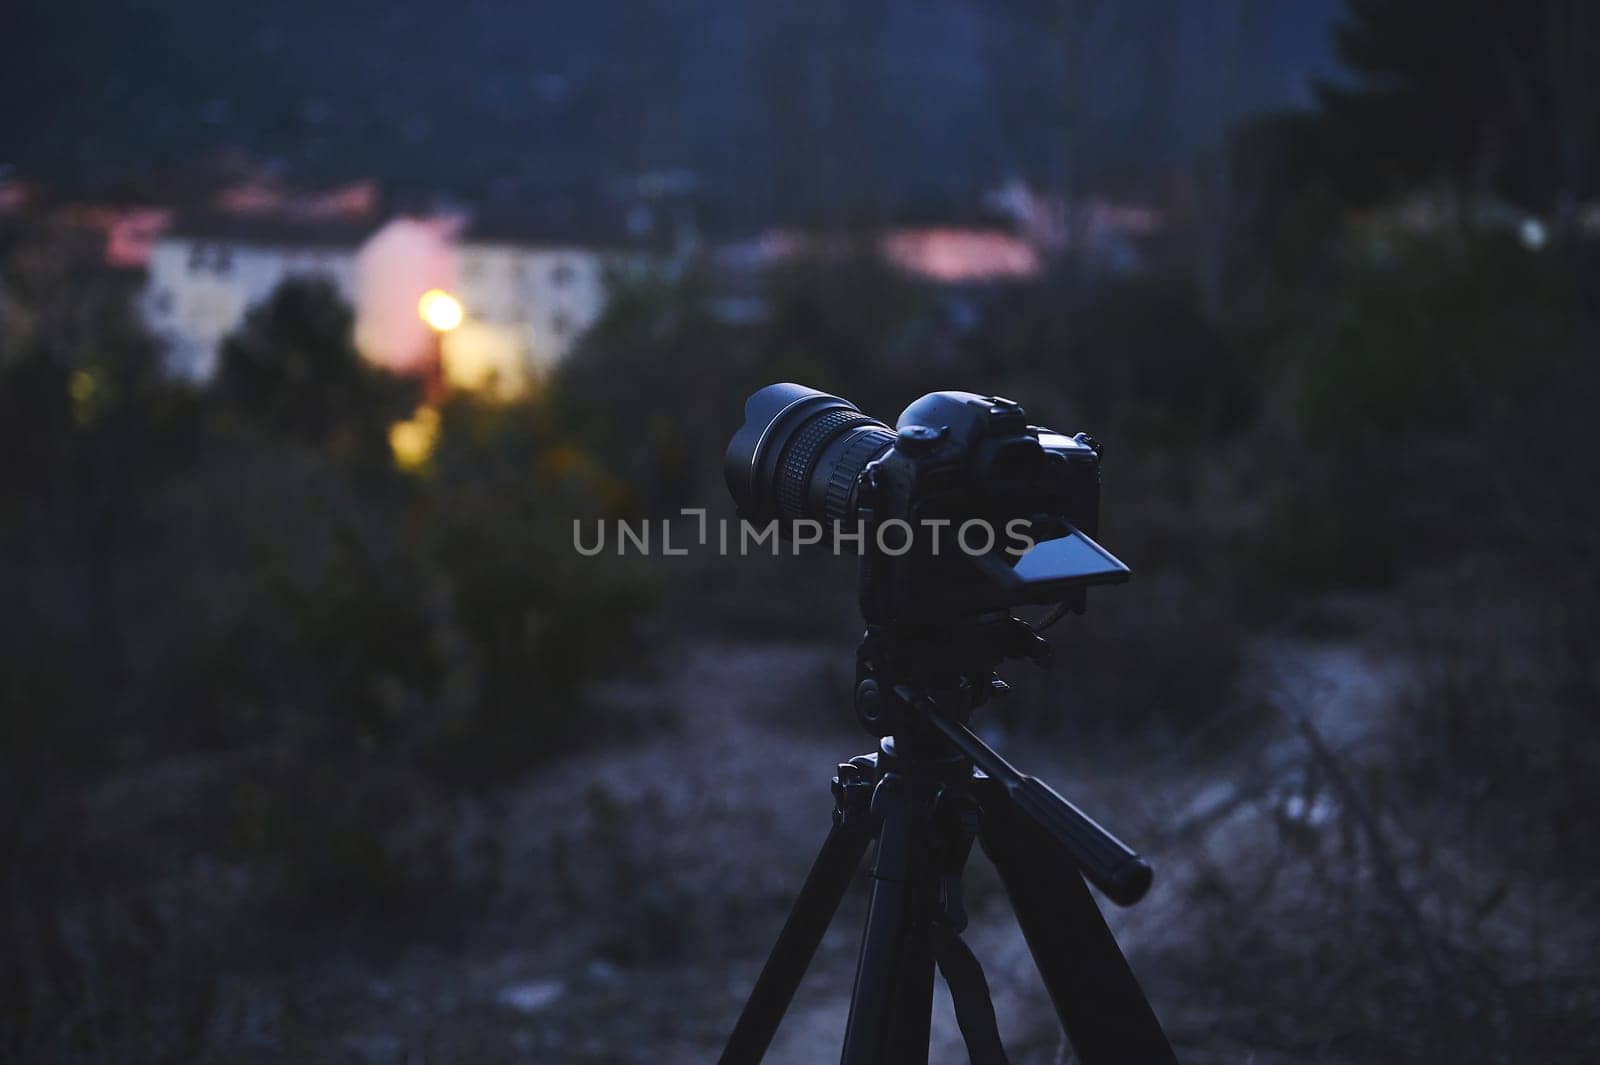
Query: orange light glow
[(413, 441), (440, 310), (84, 391)]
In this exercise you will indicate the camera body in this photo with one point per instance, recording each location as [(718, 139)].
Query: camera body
[(971, 489), (963, 509)]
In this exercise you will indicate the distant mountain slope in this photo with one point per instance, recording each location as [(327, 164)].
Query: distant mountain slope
[(781, 107)]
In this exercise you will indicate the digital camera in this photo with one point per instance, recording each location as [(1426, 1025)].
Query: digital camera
[(962, 509)]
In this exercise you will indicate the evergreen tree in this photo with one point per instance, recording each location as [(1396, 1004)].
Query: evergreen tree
[(293, 368), (1496, 97)]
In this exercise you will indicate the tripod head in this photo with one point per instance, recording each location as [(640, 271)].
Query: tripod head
[(951, 665), (920, 687)]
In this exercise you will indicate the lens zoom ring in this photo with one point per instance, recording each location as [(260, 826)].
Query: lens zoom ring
[(801, 455), (864, 445)]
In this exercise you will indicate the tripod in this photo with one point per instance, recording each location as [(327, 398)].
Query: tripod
[(931, 790)]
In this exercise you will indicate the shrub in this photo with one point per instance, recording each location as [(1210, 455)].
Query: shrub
[(1395, 390)]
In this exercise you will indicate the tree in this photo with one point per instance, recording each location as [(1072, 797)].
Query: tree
[(90, 429), (293, 368), (1495, 97)]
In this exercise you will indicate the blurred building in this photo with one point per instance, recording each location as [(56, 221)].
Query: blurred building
[(1106, 237), (1014, 236), (208, 271), (532, 287), (529, 288), (961, 255)]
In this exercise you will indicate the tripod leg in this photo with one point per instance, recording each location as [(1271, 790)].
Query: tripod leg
[(819, 898), (969, 993), (883, 944), (1096, 995), (912, 1016)]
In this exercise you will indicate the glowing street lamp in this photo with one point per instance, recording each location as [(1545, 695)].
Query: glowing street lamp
[(440, 310)]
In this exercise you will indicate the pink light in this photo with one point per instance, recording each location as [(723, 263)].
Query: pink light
[(954, 256), (131, 236)]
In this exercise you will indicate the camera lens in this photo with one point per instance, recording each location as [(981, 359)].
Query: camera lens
[(799, 452)]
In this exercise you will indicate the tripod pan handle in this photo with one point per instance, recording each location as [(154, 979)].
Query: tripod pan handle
[(1105, 861)]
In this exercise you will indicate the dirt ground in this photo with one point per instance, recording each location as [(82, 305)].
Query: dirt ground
[(639, 886)]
